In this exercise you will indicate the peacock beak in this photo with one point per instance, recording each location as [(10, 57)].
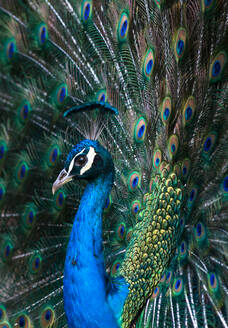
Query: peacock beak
[(62, 179)]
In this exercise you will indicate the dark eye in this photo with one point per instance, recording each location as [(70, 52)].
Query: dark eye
[(80, 160), (97, 159)]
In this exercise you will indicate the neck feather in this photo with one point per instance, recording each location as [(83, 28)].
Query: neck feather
[(84, 277)]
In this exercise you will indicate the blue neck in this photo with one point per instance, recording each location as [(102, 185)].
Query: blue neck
[(85, 298)]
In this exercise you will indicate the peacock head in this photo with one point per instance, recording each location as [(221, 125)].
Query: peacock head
[(87, 160)]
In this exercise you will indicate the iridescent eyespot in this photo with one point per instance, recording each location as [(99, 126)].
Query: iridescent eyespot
[(192, 196), (166, 109), (185, 168), (24, 111), (115, 267), (42, 33), (129, 235), (3, 149), (108, 203), (29, 216), (173, 144), (189, 110), (35, 263), (217, 66), (163, 278), (10, 49), (53, 155), (2, 192), (183, 250), (224, 186), (86, 10), (157, 158), (21, 171), (200, 232), (135, 207), (47, 317), (23, 321), (121, 231), (168, 277), (180, 43), (6, 250), (134, 181), (140, 130), (123, 25), (148, 63), (59, 200), (209, 142), (101, 96), (60, 94), (2, 313), (155, 292), (213, 282), (178, 286)]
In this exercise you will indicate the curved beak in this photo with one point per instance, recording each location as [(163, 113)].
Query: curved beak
[(62, 179)]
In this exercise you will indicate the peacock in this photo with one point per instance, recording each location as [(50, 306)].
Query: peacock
[(113, 163)]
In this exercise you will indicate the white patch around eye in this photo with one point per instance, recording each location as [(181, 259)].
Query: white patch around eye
[(72, 162), (91, 154)]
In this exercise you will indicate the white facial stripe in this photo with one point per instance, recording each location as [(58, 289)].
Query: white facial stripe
[(91, 154), (72, 162)]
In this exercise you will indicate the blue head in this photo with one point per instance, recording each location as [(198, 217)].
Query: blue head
[(87, 160)]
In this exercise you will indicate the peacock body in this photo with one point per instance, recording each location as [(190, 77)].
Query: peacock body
[(120, 109)]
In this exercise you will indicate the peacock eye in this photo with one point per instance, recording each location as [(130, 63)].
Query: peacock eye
[(80, 160)]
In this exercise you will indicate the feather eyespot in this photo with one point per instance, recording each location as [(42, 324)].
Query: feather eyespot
[(42, 34), (23, 321), (21, 171), (217, 66), (123, 26), (3, 149), (200, 233), (207, 4), (35, 263), (178, 286), (192, 196), (2, 192), (47, 317), (173, 145), (180, 43), (60, 94), (213, 282), (135, 207), (24, 111), (140, 130), (86, 11), (115, 267), (148, 63), (157, 158), (185, 168), (108, 203), (209, 142), (183, 250), (224, 185), (168, 277), (7, 250), (134, 180), (166, 109), (29, 216), (163, 278), (2, 313), (121, 231), (101, 96), (10, 46), (189, 110), (155, 292), (59, 200), (53, 155)]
